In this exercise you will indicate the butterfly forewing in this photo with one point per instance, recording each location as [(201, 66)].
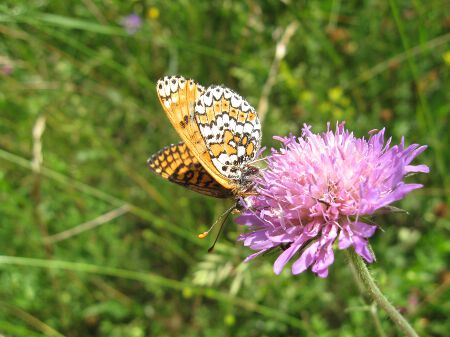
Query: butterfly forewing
[(177, 164), (178, 96), (231, 130)]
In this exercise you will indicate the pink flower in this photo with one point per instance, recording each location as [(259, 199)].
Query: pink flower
[(131, 23), (6, 69), (317, 189)]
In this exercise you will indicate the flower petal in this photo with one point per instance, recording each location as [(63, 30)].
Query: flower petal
[(281, 261), (307, 258), (361, 247), (363, 229)]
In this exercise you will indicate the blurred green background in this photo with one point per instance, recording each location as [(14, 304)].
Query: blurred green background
[(79, 116)]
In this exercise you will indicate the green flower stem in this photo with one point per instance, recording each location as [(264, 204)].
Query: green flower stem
[(374, 292), (373, 308)]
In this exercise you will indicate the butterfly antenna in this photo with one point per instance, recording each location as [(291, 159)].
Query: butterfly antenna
[(224, 214), (222, 223), (221, 220), (258, 160)]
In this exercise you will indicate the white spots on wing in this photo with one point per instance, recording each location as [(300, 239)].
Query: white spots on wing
[(223, 158), (217, 163), (225, 118), (207, 98), (205, 130), (173, 85), (166, 86), (170, 85), (241, 151), (245, 106), (236, 101), (217, 93), (160, 89), (227, 93), (232, 125), (239, 128), (227, 169), (248, 127), (167, 103), (219, 120), (233, 158), (200, 109), (217, 134), (233, 144)]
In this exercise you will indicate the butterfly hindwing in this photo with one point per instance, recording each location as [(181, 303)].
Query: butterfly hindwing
[(231, 130), (176, 163)]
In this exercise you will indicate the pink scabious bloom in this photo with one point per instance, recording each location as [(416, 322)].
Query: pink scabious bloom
[(317, 189), (6, 69), (131, 23)]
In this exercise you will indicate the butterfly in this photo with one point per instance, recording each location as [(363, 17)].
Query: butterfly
[(221, 137)]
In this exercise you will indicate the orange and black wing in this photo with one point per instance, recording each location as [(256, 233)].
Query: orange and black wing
[(178, 96), (231, 130), (177, 164)]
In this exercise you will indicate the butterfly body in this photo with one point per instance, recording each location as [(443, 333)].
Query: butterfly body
[(221, 136)]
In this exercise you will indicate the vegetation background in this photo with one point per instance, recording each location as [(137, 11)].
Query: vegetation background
[(79, 116)]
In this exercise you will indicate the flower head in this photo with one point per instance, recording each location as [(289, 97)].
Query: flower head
[(131, 23), (153, 13), (317, 189), (6, 69)]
